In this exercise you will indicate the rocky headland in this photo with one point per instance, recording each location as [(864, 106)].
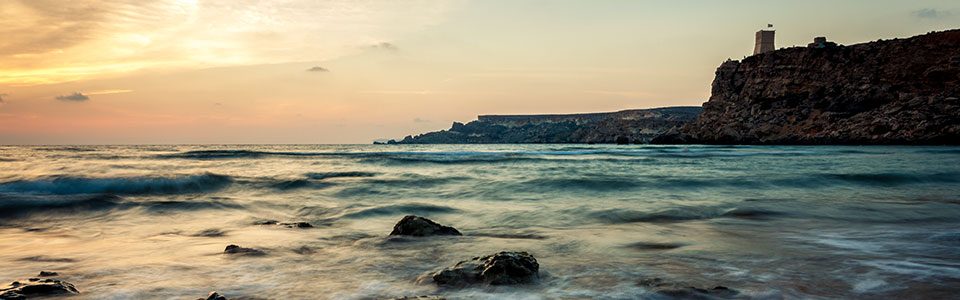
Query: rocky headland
[(900, 91), (622, 127)]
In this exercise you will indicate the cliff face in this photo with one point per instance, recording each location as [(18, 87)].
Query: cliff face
[(902, 91), (629, 126)]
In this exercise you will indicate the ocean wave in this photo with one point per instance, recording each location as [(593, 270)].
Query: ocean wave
[(69, 185), (326, 175), (399, 209), (12, 205), (18, 204), (620, 216), (893, 179), (681, 214)]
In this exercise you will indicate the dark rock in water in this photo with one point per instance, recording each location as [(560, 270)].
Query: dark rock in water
[(48, 274), (212, 232), (622, 140), (234, 249), (655, 246), (420, 298), (681, 291), (36, 287), (503, 268), (266, 222), (213, 296), (297, 225), (420, 226)]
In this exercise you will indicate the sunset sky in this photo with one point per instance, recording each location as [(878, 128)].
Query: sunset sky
[(352, 71)]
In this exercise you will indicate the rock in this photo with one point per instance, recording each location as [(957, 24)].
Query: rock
[(682, 291), (420, 226), (36, 287), (48, 273), (420, 298), (297, 225), (234, 249), (858, 94), (503, 268), (213, 296), (266, 222), (212, 232)]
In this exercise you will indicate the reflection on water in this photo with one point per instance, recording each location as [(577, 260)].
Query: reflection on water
[(152, 221)]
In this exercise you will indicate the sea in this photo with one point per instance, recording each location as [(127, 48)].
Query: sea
[(770, 222)]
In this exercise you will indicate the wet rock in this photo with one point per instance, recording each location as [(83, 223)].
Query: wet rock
[(420, 298), (212, 232), (48, 274), (503, 268), (682, 291), (234, 249), (420, 226), (297, 225), (213, 296), (266, 222), (37, 287)]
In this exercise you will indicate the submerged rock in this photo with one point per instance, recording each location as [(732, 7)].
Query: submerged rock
[(503, 268), (419, 226), (297, 225), (213, 296), (48, 273), (681, 291), (36, 287), (234, 249)]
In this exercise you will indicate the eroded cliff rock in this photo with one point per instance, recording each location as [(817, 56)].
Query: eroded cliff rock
[(901, 91)]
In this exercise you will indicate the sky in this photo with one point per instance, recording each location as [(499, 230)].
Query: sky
[(355, 71)]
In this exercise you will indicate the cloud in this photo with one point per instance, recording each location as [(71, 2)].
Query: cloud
[(76, 97), (932, 13), (386, 46), (107, 92), (318, 69), (419, 120)]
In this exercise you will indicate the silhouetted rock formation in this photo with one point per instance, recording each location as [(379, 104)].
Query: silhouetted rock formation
[(214, 296), (420, 226), (36, 287), (498, 269), (237, 250), (622, 127), (901, 91)]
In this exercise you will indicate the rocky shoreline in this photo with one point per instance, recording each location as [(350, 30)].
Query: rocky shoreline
[(893, 92), (501, 268)]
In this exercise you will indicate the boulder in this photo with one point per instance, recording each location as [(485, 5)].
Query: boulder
[(297, 225), (37, 287), (503, 268), (213, 296), (234, 249), (420, 226), (48, 274)]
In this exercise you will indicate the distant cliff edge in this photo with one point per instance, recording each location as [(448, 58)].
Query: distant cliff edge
[(901, 91), (622, 127)]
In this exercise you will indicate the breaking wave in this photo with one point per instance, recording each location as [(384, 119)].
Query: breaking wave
[(70, 185)]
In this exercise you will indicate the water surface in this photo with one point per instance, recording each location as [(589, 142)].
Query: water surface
[(152, 221)]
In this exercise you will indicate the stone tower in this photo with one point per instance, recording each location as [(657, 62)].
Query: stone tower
[(764, 42)]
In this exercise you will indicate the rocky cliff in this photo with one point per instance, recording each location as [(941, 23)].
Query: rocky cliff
[(628, 126), (901, 91)]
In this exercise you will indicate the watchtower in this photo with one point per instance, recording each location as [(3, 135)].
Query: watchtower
[(765, 38)]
